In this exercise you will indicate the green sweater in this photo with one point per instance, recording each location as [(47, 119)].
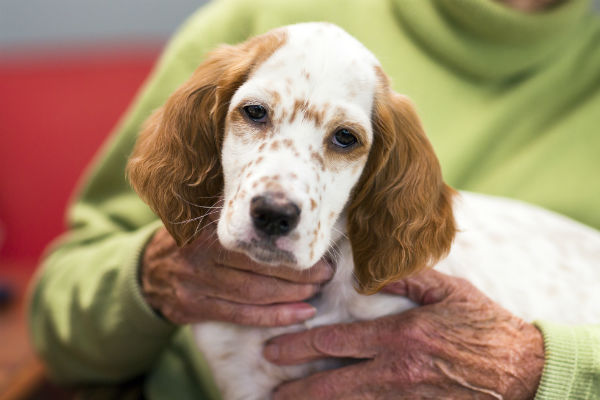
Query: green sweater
[(510, 101)]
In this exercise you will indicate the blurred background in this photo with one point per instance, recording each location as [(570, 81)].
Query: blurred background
[(68, 70)]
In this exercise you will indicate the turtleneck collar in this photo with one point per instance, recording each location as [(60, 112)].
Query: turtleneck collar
[(487, 39)]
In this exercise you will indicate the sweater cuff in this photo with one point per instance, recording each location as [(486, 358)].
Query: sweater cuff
[(572, 367), (135, 309)]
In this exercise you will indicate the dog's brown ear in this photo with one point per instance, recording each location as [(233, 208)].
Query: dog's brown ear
[(175, 166), (400, 218)]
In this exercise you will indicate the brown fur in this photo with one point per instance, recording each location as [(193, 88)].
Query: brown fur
[(400, 217), (175, 166)]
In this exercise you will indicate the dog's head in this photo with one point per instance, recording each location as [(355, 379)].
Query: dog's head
[(282, 135)]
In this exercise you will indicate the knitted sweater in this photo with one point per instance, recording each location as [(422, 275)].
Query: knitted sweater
[(510, 101)]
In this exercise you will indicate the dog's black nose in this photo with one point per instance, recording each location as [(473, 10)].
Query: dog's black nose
[(274, 214)]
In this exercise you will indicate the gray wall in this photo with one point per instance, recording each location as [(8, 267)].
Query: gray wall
[(42, 22)]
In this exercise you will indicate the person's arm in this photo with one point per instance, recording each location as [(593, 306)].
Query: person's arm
[(88, 319), (458, 344), (572, 368)]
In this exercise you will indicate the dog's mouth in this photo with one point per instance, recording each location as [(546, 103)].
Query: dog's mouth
[(267, 252)]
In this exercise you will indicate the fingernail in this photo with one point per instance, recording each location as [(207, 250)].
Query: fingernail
[(271, 352), (305, 312)]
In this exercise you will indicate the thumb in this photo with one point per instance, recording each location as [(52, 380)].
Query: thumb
[(426, 287)]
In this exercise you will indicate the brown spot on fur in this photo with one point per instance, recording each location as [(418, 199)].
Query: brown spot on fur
[(313, 205), (275, 145), (275, 96), (314, 114), (262, 147), (309, 112), (273, 186), (319, 159), (298, 107), (282, 118), (259, 159), (288, 143)]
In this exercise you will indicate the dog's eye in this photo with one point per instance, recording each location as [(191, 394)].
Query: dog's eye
[(343, 138), (256, 113)]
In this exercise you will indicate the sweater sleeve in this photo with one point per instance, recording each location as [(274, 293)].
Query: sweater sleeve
[(572, 368), (88, 319)]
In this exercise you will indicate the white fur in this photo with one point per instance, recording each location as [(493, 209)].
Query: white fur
[(535, 263)]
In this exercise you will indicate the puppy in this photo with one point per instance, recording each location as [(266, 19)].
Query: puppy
[(311, 154)]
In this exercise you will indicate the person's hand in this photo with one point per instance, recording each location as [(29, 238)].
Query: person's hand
[(458, 345), (205, 282)]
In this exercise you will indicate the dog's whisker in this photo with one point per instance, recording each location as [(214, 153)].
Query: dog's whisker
[(200, 218), (342, 233), (334, 251), (220, 200), (201, 228), (215, 240)]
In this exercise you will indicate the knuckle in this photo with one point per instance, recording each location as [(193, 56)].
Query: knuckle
[(248, 317), (413, 329), (276, 318), (233, 314), (462, 284), (328, 340), (179, 293), (255, 292)]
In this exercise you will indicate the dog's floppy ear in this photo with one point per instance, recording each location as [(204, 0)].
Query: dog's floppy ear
[(400, 218), (175, 166)]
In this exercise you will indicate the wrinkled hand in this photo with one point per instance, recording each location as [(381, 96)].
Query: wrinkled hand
[(458, 345), (203, 281)]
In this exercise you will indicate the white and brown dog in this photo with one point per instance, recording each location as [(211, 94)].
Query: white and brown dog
[(311, 154)]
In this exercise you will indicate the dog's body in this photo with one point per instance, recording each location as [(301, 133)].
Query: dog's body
[(318, 157), (537, 264)]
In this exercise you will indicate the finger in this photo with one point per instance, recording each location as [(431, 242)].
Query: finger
[(321, 272), (244, 314), (340, 383), (243, 287), (354, 340), (426, 287)]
